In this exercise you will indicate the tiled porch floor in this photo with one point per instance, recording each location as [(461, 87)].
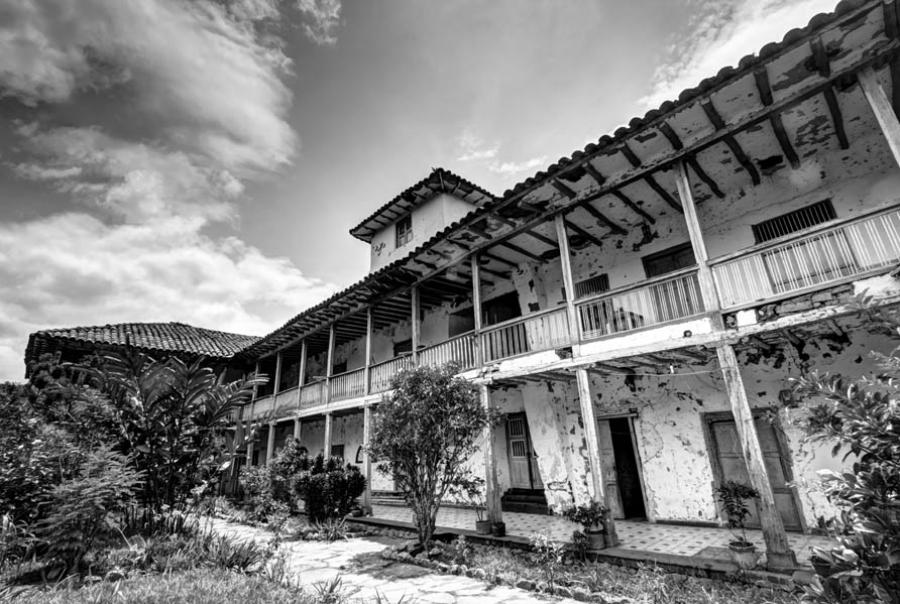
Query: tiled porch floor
[(640, 536)]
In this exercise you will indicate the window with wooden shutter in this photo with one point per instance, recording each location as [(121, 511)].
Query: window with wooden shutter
[(795, 221), (404, 231)]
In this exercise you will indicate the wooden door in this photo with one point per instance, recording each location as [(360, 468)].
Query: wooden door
[(731, 466), (608, 469), (522, 470)]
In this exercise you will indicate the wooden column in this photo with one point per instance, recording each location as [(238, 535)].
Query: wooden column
[(592, 441), (414, 312), (255, 386), (301, 378), (298, 425), (881, 107), (368, 371), (491, 487), (270, 444), (778, 550), (704, 273), (329, 369), (476, 310), (276, 387), (250, 440), (327, 445), (367, 460), (565, 258)]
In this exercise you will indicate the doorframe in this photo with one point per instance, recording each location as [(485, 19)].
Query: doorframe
[(529, 449), (631, 416), (787, 462)]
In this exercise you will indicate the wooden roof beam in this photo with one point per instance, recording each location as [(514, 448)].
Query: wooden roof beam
[(494, 258), (651, 182), (719, 124), (702, 175), (602, 219), (543, 239), (765, 94), (521, 251), (634, 207), (580, 231)]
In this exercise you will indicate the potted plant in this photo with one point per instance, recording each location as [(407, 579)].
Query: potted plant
[(592, 518), (734, 497), (473, 497)]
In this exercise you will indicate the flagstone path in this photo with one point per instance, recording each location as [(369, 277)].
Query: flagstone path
[(365, 576)]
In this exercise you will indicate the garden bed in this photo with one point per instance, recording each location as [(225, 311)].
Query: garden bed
[(554, 571)]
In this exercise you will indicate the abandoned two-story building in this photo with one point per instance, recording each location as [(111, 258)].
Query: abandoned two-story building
[(636, 309)]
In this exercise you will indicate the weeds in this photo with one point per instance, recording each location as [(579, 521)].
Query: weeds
[(331, 591)]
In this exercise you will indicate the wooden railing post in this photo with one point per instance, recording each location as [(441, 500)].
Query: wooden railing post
[(778, 549), (329, 369), (881, 107), (476, 310), (704, 273), (565, 257), (367, 387), (592, 441), (414, 311), (367, 459), (491, 486)]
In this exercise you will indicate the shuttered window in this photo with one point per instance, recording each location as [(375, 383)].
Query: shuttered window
[(404, 231), (591, 286), (795, 221)]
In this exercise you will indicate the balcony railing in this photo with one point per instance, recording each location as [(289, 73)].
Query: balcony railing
[(350, 384), (545, 330), (460, 349), (382, 373), (286, 401), (810, 261), (649, 303), (312, 395)]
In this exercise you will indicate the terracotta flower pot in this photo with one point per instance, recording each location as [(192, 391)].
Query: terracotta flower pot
[(744, 554), (483, 527), (596, 538), (498, 529)]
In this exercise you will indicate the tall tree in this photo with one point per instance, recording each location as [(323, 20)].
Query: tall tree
[(425, 432)]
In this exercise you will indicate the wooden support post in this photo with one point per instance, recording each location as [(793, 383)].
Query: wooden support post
[(329, 369), (301, 379), (367, 387), (270, 444), (778, 550), (476, 310), (592, 440), (704, 273), (568, 281), (367, 459), (881, 107), (255, 386), (249, 452), (276, 387), (327, 444), (298, 427), (491, 487), (414, 318)]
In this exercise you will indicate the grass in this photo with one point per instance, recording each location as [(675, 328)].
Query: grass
[(647, 585), (197, 586)]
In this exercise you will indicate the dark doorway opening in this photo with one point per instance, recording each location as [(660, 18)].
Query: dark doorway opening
[(627, 473)]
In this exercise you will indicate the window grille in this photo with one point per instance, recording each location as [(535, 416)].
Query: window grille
[(404, 231), (591, 286), (795, 221)]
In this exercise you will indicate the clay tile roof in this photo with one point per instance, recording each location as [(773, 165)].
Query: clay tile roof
[(439, 181), (149, 337)]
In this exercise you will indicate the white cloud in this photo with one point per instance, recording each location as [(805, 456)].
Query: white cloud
[(208, 73), (322, 20), (73, 269), (509, 168), (722, 33), (471, 147), (131, 180)]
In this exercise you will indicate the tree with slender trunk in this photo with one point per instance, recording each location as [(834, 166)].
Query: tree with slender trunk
[(424, 433)]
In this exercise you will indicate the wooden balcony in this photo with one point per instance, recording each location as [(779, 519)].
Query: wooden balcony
[(536, 332), (654, 302), (819, 258), (347, 385), (380, 375), (459, 349), (312, 394)]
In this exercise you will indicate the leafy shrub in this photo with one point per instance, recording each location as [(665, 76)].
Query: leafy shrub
[(426, 432), (330, 488), (860, 417), (548, 555), (258, 500), (459, 550), (86, 505), (734, 496), (284, 471), (589, 516)]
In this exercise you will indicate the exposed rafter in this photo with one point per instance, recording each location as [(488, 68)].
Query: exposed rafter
[(601, 218), (720, 126), (765, 94), (580, 231)]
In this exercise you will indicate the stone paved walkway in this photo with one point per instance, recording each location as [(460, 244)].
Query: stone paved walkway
[(639, 536), (365, 576)]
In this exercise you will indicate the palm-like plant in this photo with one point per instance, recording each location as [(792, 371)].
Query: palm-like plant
[(171, 417)]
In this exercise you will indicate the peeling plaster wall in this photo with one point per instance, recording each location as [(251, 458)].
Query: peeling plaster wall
[(427, 219), (678, 475)]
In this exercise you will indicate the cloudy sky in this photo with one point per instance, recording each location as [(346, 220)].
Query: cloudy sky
[(201, 161)]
